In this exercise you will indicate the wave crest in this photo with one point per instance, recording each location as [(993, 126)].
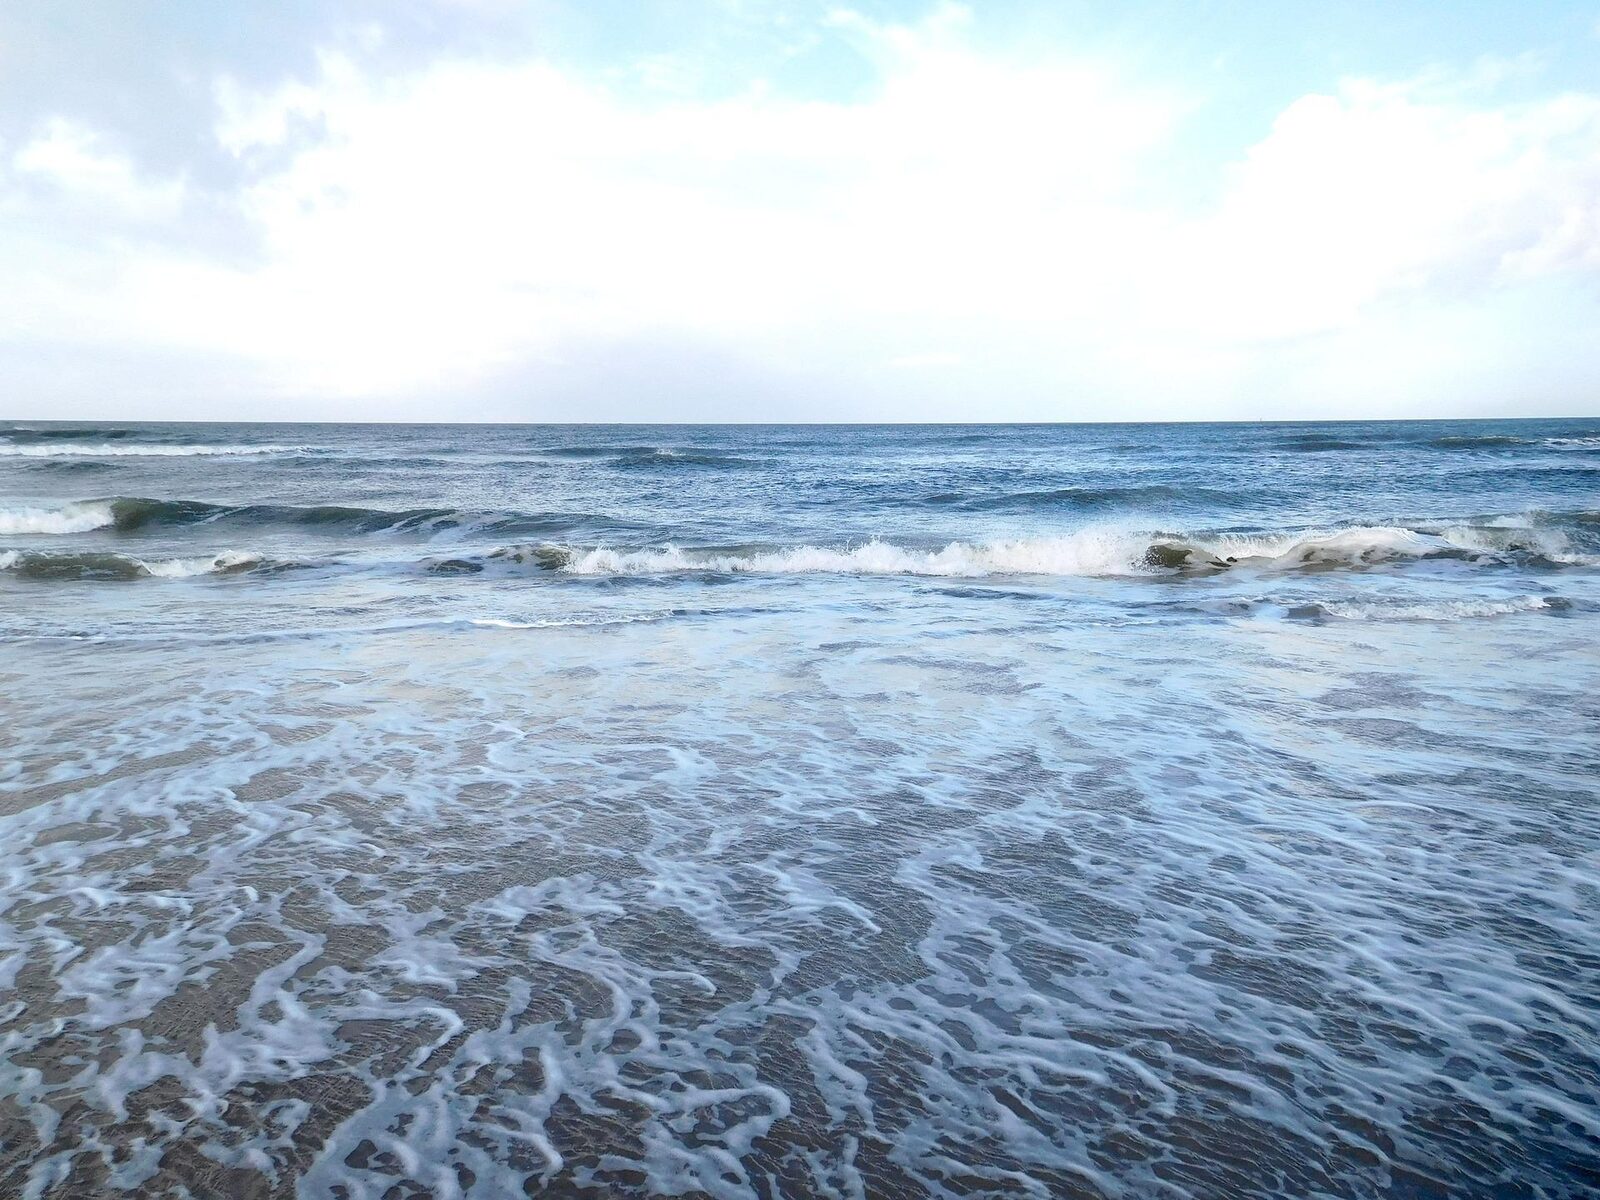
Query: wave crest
[(132, 514), (27, 564), (24, 434), (1085, 553), (81, 517), (54, 449)]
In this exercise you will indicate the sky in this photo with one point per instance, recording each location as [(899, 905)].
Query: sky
[(745, 210)]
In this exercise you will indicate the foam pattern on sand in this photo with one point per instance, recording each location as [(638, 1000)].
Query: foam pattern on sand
[(849, 915)]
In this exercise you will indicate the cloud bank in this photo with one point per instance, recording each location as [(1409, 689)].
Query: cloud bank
[(957, 227)]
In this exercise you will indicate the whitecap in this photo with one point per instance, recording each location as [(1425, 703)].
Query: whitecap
[(71, 518), (180, 568), (1088, 552), (1084, 553)]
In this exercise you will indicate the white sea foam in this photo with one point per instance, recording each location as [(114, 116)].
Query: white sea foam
[(71, 518), (1503, 534), (1439, 610), (1092, 552), (1373, 543), (573, 622), (1086, 553), (181, 568), (1359, 544), (564, 929), (135, 450)]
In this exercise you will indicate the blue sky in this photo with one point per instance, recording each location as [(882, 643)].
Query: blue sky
[(743, 210)]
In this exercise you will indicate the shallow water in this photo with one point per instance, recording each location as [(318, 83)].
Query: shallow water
[(1059, 811)]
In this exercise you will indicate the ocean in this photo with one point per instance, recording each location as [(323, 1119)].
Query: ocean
[(881, 811)]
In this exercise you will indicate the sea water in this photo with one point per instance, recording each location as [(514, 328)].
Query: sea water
[(1112, 810)]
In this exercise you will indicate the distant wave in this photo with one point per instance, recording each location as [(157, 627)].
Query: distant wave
[(136, 450), (26, 434), (1313, 442), (1479, 442), (642, 455), (71, 466), (1080, 498), (130, 514), (606, 451), (1505, 441), (680, 458)]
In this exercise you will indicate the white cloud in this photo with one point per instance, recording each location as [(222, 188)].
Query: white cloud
[(69, 159), (929, 359), (471, 221), (1382, 189)]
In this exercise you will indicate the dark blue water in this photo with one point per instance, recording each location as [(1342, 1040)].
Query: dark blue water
[(1117, 810)]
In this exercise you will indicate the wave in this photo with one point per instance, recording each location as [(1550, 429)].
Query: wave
[(1479, 442), (189, 637), (680, 458), (607, 451), (24, 434), (1087, 553), (1497, 541), (639, 455), (1076, 555), (1539, 541), (72, 518), (131, 514), (1313, 442), (138, 450), (49, 566), (1083, 498), (1502, 441), (72, 466)]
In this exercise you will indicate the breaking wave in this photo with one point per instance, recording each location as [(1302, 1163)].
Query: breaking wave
[(1089, 553), (72, 518), (1536, 541), (50, 566)]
